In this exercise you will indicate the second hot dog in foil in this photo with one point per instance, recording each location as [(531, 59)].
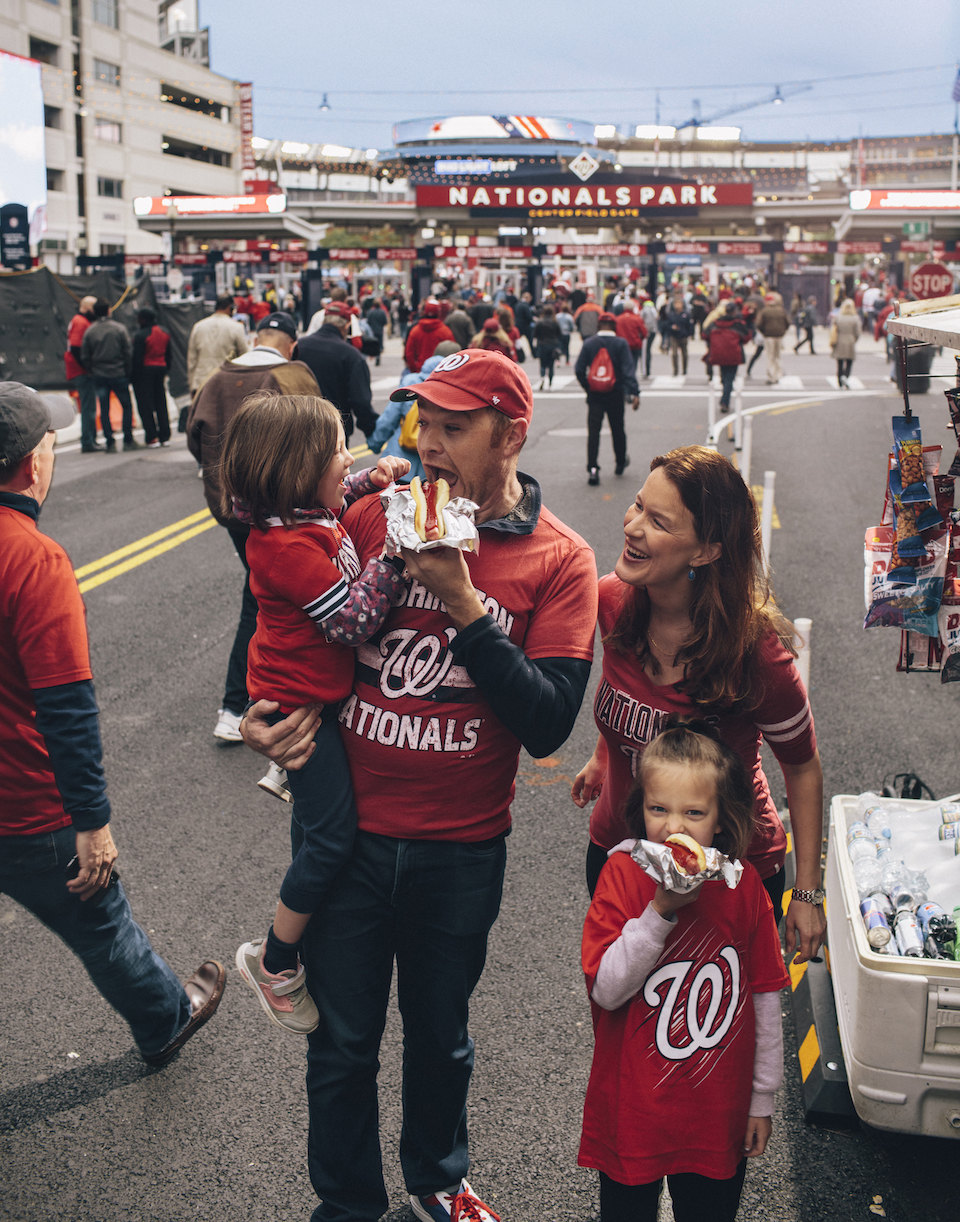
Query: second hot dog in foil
[(658, 862), (400, 509)]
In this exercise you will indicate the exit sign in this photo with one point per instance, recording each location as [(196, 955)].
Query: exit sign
[(916, 229)]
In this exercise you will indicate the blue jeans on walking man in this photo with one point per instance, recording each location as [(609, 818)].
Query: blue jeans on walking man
[(429, 905), (104, 936), (83, 385)]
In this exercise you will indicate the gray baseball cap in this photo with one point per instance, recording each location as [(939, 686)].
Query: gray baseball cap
[(25, 416)]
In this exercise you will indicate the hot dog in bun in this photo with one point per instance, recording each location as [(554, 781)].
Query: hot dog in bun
[(688, 855), (429, 500)]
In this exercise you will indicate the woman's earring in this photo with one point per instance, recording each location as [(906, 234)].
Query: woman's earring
[(692, 575)]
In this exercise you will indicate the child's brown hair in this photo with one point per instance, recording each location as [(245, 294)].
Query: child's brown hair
[(696, 743), (276, 450)]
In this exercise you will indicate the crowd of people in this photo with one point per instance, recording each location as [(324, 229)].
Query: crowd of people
[(355, 664)]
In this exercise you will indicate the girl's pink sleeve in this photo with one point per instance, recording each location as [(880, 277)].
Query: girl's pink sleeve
[(768, 1058), (628, 961)]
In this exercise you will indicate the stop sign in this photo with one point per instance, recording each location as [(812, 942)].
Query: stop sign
[(931, 280)]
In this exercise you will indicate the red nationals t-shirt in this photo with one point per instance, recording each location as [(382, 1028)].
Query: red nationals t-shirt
[(672, 1074), (630, 710), (429, 758), (299, 578), (75, 333)]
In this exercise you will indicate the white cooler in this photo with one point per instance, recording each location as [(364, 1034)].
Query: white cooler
[(899, 1018)]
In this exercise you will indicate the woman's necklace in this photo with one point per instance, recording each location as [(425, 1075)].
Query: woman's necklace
[(663, 652)]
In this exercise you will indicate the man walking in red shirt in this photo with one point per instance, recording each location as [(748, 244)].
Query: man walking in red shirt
[(80, 378)]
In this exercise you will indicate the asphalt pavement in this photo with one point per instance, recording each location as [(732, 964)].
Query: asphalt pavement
[(87, 1133)]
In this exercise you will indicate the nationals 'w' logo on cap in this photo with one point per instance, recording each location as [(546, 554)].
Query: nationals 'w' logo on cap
[(454, 361)]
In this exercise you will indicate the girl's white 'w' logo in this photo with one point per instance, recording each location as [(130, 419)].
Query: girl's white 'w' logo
[(698, 1033)]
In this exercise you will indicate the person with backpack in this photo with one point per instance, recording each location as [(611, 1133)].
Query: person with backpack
[(605, 370), (807, 319), (726, 337)]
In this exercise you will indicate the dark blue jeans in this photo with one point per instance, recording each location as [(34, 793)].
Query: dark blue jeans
[(121, 388), (111, 945), (429, 905), (728, 375), (83, 385), (324, 819), (235, 692)]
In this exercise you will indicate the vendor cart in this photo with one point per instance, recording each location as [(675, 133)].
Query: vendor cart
[(879, 1034)]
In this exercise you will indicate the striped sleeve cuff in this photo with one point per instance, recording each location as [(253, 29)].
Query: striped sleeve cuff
[(786, 731), (329, 603)]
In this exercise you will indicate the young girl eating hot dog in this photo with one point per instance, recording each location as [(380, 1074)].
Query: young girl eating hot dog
[(684, 989), (284, 470)]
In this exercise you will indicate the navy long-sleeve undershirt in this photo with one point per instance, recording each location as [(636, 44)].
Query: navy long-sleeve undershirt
[(69, 720), (537, 701)]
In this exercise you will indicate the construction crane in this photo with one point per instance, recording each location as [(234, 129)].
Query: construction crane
[(777, 98)]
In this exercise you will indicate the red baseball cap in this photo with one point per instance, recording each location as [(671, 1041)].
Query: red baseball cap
[(431, 308), (607, 320), (476, 377), (337, 307)]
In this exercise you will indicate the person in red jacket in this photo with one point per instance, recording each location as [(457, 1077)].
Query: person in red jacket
[(151, 345), (630, 326), (726, 338), (425, 335)]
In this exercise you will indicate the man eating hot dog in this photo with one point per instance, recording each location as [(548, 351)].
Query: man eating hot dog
[(488, 652)]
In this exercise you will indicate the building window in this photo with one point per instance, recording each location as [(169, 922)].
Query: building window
[(177, 95), (51, 116), (105, 13), (196, 152), (78, 131), (81, 195), (110, 188), (107, 74), (106, 129), (45, 52), (112, 248), (54, 180), (52, 244)]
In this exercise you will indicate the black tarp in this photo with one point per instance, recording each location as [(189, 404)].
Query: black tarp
[(35, 312)]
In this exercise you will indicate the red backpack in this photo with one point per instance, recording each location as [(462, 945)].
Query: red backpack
[(601, 376)]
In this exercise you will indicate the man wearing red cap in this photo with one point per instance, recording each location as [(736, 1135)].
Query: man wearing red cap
[(425, 335), (487, 653)]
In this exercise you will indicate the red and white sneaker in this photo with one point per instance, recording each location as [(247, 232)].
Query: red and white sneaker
[(460, 1206)]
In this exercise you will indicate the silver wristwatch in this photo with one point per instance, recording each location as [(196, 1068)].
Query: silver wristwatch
[(810, 897)]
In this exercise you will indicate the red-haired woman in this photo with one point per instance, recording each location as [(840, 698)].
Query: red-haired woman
[(689, 626)]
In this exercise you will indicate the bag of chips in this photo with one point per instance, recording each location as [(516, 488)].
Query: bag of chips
[(931, 466), (908, 447), (953, 402), (895, 605)]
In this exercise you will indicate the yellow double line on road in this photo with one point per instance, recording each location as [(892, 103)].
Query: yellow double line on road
[(132, 555)]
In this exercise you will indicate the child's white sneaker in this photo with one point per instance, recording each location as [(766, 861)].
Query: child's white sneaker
[(275, 783), (284, 996)]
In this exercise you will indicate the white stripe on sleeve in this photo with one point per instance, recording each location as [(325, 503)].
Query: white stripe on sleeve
[(328, 603), (786, 731)]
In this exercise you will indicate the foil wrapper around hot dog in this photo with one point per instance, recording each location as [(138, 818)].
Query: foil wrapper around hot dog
[(658, 862), (400, 508)]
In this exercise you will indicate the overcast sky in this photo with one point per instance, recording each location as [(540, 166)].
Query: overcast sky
[(604, 62)]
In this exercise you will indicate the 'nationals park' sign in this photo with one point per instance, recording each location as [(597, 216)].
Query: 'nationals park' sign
[(635, 195)]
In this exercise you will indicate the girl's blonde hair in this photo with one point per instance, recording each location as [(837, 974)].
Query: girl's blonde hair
[(848, 307), (696, 743), (276, 449)]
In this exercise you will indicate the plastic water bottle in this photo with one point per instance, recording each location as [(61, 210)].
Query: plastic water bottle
[(867, 875), (878, 823), (865, 801), (893, 874), (860, 842)]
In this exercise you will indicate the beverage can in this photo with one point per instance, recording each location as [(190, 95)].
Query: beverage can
[(909, 941), (902, 898), (949, 831), (878, 931), (950, 812), (883, 904)]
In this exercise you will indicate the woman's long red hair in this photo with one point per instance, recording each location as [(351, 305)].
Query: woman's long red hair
[(732, 605)]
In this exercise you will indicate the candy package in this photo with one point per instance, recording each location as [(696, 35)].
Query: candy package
[(893, 605), (919, 652), (400, 509), (658, 862), (908, 447), (949, 616)]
